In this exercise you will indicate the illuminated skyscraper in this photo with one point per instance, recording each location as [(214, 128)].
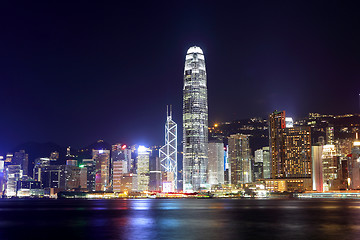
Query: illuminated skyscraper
[(168, 152), (290, 149), (143, 172), (102, 169), (239, 158), (195, 122), (216, 162), (14, 174), (120, 158), (354, 167)]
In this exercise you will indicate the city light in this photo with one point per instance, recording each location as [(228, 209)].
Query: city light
[(142, 149)]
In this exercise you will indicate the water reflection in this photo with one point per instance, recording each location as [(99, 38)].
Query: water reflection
[(181, 219)]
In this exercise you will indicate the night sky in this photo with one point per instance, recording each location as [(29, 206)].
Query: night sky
[(72, 73)]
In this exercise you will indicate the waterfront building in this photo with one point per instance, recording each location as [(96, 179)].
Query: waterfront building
[(21, 158), (354, 168), (288, 185), (102, 169), (216, 162), (89, 164), (195, 122), (13, 174), (28, 188), (168, 152), (239, 158), (317, 168), (129, 182), (121, 152), (118, 169), (72, 177), (266, 162), (155, 183), (143, 172), (330, 167), (290, 149), (120, 161)]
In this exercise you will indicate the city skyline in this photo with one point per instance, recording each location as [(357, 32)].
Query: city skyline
[(71, 77)]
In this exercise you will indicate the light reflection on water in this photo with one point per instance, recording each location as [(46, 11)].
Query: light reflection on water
[(180, 219)]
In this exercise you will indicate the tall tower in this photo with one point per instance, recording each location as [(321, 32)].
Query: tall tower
[(195, 122), (168, 152), (239, 156)]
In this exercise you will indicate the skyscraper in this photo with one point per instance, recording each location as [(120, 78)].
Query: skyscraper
[(21, 158), (290, 149), (239, 158), (143, 172), (168, 152), (195, 122), (102, 166), (216, 162)]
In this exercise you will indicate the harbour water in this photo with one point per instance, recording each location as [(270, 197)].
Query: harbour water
[(179, 219)]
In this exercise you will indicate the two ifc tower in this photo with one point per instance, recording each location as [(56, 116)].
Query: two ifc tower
[(195, 128)]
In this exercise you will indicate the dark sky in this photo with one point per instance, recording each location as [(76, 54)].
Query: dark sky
[(73, 73)]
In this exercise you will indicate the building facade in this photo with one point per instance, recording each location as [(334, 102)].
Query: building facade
[(290, 149), (195, 122), (168, 152), (240, 159), (216, 163), (143, 172), (102, 169)]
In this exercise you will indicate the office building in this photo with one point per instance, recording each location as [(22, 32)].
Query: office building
[(143, 168), (266, 162), (21, 158), (216, 162), (168, 152), (195, 122), (13, 174), (290, 149), (330, 167), (317, 168), (354, 168), (90, 165), (239, 158), (102, 169)]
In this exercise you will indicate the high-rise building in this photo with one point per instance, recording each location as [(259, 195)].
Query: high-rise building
[(102, 166), (120, 159), (266, 162), (195, 122), (60, 177), (290, 149), (14, 174), (354, 167), (239, 158), (143, 172), (21, 158), (276, 123), (216, 162), (155, 183), (330, 166), (89, 164), (168, 152), (317, 168)]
